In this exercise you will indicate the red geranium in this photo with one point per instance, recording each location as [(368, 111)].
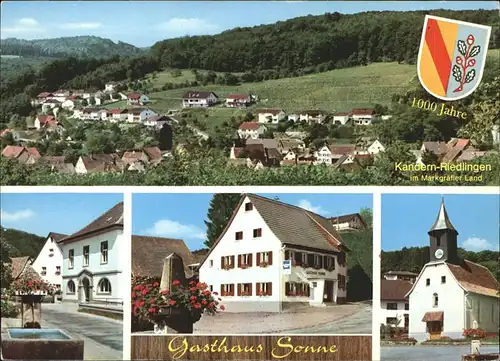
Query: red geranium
[(32, 287), (148, 299)]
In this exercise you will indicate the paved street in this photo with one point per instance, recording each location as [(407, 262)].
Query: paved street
[(425, 353), (360, 322), (103, 336), (338, 319)]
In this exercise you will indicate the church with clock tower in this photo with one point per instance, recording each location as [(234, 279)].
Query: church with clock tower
[(450, 293)]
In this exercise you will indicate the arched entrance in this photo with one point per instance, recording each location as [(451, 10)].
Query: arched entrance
[(85, 286), (85, 290)]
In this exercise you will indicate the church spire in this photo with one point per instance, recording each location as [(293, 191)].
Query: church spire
[(442, 221)]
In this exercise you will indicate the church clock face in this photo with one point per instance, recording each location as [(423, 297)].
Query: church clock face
[(439, 254)]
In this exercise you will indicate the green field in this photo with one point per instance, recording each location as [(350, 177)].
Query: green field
[(167, 76), (116, 105), (336, 90)]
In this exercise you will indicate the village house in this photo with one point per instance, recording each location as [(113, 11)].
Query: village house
[(451, 294), (150, 253), (110, 87), (363, 116), (49, 261), (198, 99), (401, 275), (348, 222), (394, 305), (246, 264), (138, 160), (293, 118), (376, 147), (92, 264), (455, 150), (93, 114), (71, 102), (23, 155), (117, 115), (58, 164), (137, 115), (61, 95), (251, 130), (269, 115), (156, 121), (41, 98), (21, 269), (330, 154), (81, 94), (312, 116), (45, 121), (50, 104), (341, 118), (239, 100), (99, 163), (257, 154), (137, 99), (290, 144), (348, 163)]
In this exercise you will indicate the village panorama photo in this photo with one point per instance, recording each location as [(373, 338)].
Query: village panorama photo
[(251, 264), (440, 291), (221, 93), (62, 276)]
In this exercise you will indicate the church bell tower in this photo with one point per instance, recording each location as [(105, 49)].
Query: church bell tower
[(443, 238)]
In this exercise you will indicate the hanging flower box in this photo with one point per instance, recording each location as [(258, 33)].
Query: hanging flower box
[(474, 333), (227, 267), (262, 294), (317, 267), (245, 266), (263, 264), (245, 293)]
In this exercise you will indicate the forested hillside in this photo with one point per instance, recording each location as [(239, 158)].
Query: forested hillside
[(332, 40), (79, 46), (360, 259), (19, 243), (414, 258)]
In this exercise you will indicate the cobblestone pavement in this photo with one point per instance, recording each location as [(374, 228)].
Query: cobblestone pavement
[(310, 319)]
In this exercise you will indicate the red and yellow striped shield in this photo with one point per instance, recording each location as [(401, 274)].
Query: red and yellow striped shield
[(451, 57)]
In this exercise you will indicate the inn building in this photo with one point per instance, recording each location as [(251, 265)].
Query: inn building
[(451, 293), (92, 264), (272, 254)]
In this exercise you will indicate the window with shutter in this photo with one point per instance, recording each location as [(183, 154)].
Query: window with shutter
[(238, 236), (232, 262), (269, 289), (270, 256), (257, 233)]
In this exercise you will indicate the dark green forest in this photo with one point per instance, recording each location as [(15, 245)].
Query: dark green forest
[(80, 46), (414, 258), (360, 260), (18, 243), (332, 40)]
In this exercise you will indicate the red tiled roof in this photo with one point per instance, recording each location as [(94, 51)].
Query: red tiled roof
[(475, 278), (153, 153), (118, 111), (134, 95), (433, 316), (249, 126), (394, 290), (5, 132), (272, 111), (341, 114), (362, 111), (238, 96), (44, 95), (18, 265), (43, 119), (342, 149), (13, 151), (34, 152)]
